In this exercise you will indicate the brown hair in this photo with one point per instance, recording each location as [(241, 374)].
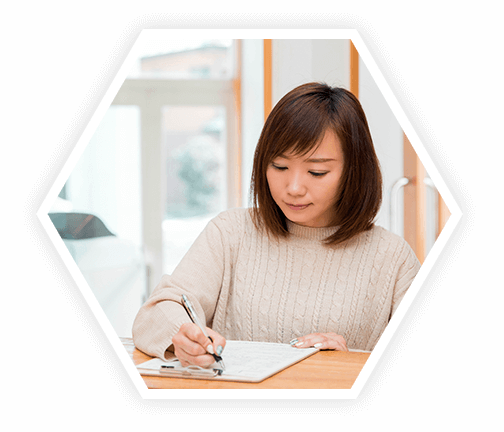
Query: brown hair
[(297, 124)]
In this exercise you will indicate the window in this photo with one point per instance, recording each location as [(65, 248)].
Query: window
[(163, 161), (185, 91), (185, 59), (194, 174), (106, 185), (106, 181)]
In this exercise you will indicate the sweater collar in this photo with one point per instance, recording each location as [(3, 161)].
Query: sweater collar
[(310, 233)]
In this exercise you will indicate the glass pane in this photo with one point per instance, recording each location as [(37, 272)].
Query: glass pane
[(194, 147), (98, 216), (106, 179), (185, 59)]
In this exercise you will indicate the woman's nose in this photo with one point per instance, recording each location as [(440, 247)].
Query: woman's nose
[(296, 185)]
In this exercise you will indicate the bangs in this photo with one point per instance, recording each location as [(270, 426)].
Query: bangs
[(301, 128)]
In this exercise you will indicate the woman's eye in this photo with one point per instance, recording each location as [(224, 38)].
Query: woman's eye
[(279, 167), (318, 174)]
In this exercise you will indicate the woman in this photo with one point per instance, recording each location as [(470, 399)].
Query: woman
[(306, 264)]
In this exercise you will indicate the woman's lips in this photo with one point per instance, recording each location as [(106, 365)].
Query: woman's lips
[(297, 206)]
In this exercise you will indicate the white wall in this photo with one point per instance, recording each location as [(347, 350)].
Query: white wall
[(299, 61), (388, 140), (252, 115)]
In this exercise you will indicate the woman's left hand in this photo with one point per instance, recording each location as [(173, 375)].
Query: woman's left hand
[(328, 341)]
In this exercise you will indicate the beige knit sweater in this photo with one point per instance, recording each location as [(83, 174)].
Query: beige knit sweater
[(250, 287)]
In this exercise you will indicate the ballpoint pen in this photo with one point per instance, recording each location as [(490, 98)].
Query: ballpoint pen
[(194, 318)]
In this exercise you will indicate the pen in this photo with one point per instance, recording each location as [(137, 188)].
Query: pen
[(194, 318)]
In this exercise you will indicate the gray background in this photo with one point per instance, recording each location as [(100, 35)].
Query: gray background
[(443, 364)]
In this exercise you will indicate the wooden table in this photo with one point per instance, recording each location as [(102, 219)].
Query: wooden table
[(323, 370)]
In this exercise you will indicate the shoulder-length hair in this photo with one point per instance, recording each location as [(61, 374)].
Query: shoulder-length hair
[(297, 124)]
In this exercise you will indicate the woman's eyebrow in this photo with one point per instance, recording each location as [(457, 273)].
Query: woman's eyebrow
[(310, 159), (318, 160)]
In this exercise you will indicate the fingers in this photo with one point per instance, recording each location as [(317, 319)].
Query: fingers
[(322, 341), (195, 334), (191, 346), (219, 343)]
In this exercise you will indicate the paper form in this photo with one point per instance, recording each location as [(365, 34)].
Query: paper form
[(249, 361)]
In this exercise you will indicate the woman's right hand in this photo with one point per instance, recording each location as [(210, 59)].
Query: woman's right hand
[(192, 347)]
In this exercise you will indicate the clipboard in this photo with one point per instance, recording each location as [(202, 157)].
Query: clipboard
[(245, 362)]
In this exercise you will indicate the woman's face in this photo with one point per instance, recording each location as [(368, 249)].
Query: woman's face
[(305, 187)]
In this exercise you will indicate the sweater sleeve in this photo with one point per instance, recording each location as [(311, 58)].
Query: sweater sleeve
[(199, 275), (407, 271)]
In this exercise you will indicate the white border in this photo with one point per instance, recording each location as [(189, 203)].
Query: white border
[(396, 108)]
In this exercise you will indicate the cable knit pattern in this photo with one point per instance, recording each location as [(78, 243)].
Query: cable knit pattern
[(248, 286)]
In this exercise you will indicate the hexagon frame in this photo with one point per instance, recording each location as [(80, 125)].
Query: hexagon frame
[(408, 129)]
